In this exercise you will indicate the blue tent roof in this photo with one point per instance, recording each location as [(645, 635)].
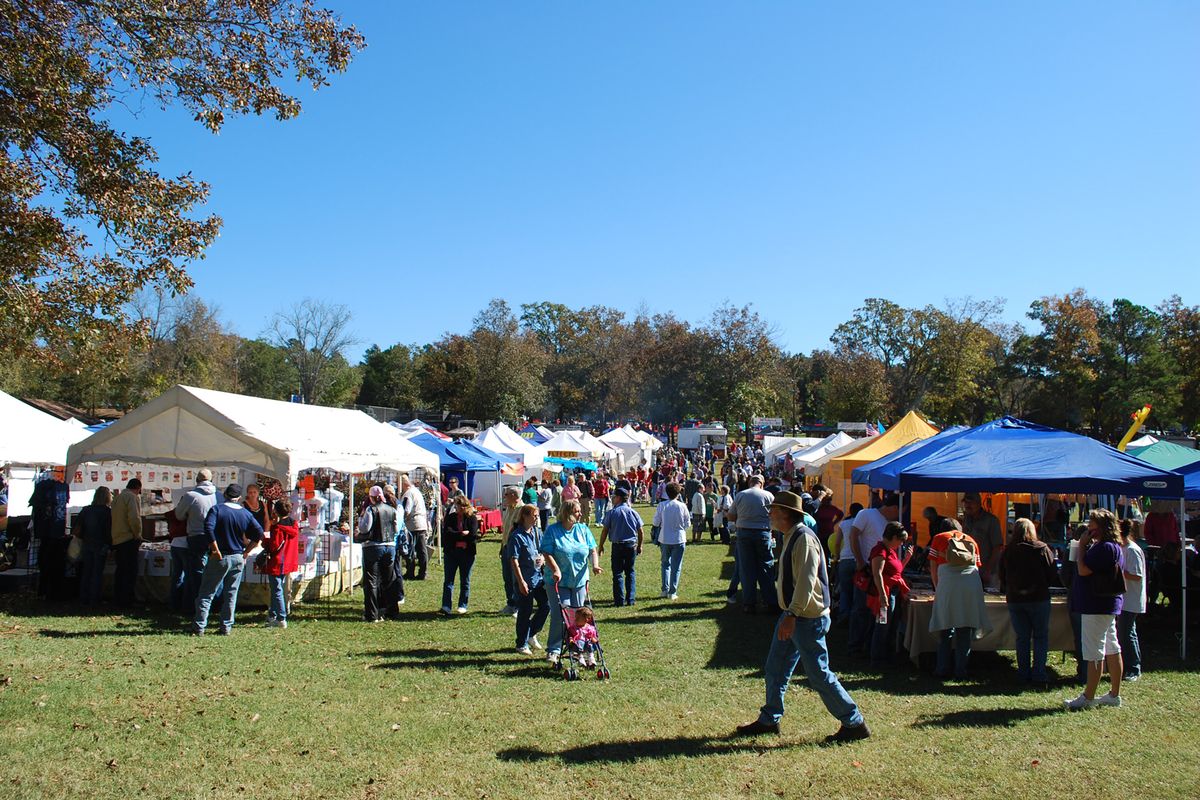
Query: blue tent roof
[(454, 456), (493, 459), (883, 473), (1012, 455), (1191, 480), (532, 434)]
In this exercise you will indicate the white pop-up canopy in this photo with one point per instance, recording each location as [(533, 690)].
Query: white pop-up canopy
[(651, 441), (781, 445), (632, 449), (565, 444), (192, 427), (29, 437), (824, 450), (505, 441)]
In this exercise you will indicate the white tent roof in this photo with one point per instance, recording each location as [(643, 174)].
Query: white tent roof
[(504, 441), (544, 431), (632, 449), (1144, 441), (650, 439), (601, 450), (819, 455), (31, 437), (778, 445), (191, 427), (565, 442), (620, 437)]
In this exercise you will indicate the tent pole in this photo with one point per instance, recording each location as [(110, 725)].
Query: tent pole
[(1184, 576), (353, 527)]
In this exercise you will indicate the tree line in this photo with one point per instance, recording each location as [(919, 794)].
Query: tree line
[(1081, 363)]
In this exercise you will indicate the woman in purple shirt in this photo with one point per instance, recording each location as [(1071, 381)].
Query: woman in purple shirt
[(1097, 595)]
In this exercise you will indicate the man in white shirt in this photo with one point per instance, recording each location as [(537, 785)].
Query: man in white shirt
[(672, 517), (416, 519), (866, 532), (1134, 602)]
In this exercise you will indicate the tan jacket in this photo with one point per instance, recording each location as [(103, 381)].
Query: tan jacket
[(808, 596), (126, 517)]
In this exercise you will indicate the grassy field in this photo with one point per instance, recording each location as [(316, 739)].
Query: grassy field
[(118, 707)]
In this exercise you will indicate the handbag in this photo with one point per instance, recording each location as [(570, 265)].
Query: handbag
[(864, 581), (260, 562), (75, 549)]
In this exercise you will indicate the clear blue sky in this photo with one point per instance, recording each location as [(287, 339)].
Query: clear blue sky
[(798, 156)]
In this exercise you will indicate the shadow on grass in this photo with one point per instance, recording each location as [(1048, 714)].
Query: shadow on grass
[(984, 718), (431, 658), (632, 751)]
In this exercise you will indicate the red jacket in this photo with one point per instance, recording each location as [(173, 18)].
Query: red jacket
[(283, 557)]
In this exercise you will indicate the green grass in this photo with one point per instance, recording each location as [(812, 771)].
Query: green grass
[(122, 707)]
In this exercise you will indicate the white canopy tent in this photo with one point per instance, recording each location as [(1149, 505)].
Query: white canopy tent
[(504, 441), (565, 444), (780, 445), (1144, 441), (601, 452), (815, 457), (652, 442), (187, 426), (632, 449), (33, 438)]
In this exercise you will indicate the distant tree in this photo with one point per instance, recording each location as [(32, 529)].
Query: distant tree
[(263, 370), (389, 378), (509, 366), (312, 335), (1065, 358), (65, 172), (448, 370), (1181, 341), (742, 363)]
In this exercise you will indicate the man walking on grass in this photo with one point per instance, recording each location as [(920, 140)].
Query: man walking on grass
[(803, 594)]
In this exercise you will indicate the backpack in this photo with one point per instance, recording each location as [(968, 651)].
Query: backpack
[(960, 552)]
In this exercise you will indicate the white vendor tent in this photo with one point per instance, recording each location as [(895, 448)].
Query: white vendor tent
[(780, 445), (633, 450), (187, 426), (601, 452), (504, 441), (1144, 441), (822, 451), (29, 437), (565, 444), (652, 442)]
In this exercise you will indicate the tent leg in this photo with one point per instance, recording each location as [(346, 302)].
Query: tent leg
[(350, 544), (1184, 577)]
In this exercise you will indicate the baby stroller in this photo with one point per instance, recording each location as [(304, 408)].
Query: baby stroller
[(581, 644)]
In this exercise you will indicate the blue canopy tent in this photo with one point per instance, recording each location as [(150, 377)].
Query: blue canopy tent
[(457, 460), (882, 474), (533, 434), (1012, 455), (1191, 480)]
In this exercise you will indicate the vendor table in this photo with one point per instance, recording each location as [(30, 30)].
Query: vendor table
[(918, 639), (490, 520)]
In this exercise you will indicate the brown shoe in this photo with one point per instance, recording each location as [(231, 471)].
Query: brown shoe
[(757, 728), (849, 733)]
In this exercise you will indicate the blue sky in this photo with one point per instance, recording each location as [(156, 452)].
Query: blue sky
[(798, 156)]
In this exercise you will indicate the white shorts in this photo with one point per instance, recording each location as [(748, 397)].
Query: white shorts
[(1099, 636)]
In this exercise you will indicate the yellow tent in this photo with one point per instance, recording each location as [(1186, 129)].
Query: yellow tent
[(837, 472)]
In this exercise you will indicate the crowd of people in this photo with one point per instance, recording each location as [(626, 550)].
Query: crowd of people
[(795, 553)]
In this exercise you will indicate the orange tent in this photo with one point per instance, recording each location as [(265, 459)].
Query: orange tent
[(837, 471)]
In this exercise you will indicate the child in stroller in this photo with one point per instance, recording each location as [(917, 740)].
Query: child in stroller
[(583, 643)]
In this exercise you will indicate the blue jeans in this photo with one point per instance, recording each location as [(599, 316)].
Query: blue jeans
[(511, 595), (805, 646), (624, 556), (224, 575), (529, 622), (881, 634), (567, 597), (277, 609), (1131, 650), (755, 560), (672, 563), (601, 509), (456, 562), (846, 568), (961, 648), (197, 550), (91, 573), (179, 569), (1031, 625)]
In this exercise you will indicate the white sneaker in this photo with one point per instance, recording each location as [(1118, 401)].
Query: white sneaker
[(535, 644), (400, 602), (1079, 703), (673, 596), (731, 601), (524, 651), (1108, 700), (280, 623), (462, 609), (552, 658)]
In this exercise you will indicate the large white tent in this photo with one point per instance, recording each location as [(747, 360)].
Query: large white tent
[(29, 437), (504, 441), (601, 452), (652, 442), (565, 444), (833, 445), (780, 445), (187, 426), (633, 450)]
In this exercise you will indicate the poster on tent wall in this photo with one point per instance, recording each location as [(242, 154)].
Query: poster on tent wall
[(154, 477)]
